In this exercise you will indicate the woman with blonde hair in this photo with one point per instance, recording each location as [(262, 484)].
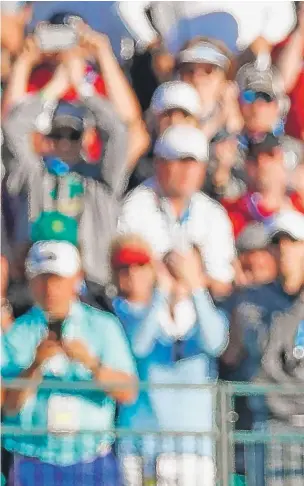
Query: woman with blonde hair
[(175, 334)]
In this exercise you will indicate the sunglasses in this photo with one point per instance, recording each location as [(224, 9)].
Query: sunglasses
[(248, 97), (72, 136)]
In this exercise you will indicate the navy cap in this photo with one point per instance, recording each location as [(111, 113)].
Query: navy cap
[(69, 115)]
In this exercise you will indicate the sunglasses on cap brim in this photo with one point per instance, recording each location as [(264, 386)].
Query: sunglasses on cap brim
[(248, 97)]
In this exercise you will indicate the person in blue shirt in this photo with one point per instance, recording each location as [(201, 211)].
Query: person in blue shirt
[(176, 334), (65, 431), (253, 309)]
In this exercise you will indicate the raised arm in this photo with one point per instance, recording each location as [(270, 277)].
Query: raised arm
[(20, 124), (119, 92), (113, 166), (290, 58), (16, 89), (133, 15)]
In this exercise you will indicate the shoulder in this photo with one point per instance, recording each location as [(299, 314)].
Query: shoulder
[(100, 320), (27, 321), (208, 206), (141, 198)]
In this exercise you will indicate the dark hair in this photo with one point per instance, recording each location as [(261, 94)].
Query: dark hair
[(60, 18)]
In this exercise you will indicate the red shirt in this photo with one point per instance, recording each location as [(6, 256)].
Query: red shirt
[(297, 202), (42, 75), (295, 118), (245, 210)]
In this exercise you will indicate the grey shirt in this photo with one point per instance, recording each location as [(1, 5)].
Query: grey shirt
[(280, 364), (29, 179)]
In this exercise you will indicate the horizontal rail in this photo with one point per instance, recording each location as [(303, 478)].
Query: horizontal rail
[(36, 431), (234, 388)]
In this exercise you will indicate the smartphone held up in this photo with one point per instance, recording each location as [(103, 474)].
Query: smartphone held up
[(55, 38)]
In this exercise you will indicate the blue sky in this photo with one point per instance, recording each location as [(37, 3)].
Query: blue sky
[(100, 15)]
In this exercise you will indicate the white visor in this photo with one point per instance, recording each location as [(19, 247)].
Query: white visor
[(204, 53)]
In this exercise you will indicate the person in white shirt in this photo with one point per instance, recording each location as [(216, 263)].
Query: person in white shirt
[(170, 212)]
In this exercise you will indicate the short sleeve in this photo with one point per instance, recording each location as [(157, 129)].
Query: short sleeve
[(18, 347), (115, 351)]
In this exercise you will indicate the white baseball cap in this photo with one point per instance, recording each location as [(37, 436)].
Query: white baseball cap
[(55, 257), (182, 142), (176, 94), (289, 223)]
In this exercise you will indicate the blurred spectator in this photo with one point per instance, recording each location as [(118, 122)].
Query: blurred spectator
[(162, 28), (91, 45), (6, 309), (173, 103), (93, 199), (268, 168), (289, 57), (205, 64), (67, 341), (253, 309), (263, 101), (225, 174), (14, 18), (175, 333), (283, 358), (297, 187), (170, 213)]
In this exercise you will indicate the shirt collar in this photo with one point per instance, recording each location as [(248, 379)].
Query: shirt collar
[(75, 310), (164, 203)]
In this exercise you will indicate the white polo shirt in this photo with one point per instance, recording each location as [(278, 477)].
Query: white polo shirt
[(204, 224)]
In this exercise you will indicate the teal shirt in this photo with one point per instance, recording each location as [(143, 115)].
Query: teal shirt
[(70, 410)]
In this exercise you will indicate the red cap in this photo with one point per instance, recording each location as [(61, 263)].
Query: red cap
[(130, 256)]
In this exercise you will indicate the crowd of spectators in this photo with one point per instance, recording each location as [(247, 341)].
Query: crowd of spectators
[(152, 230)]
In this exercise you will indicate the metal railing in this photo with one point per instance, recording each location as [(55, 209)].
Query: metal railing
[(272, 450)]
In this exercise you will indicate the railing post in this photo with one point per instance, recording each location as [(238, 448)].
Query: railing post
[(225, 451)]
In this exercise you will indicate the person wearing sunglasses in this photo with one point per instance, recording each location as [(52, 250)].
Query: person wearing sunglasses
[(62, 180), (263, 102)]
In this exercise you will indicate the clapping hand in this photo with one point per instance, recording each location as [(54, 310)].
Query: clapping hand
[(188, 269), (77, 351), (48, 348)]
